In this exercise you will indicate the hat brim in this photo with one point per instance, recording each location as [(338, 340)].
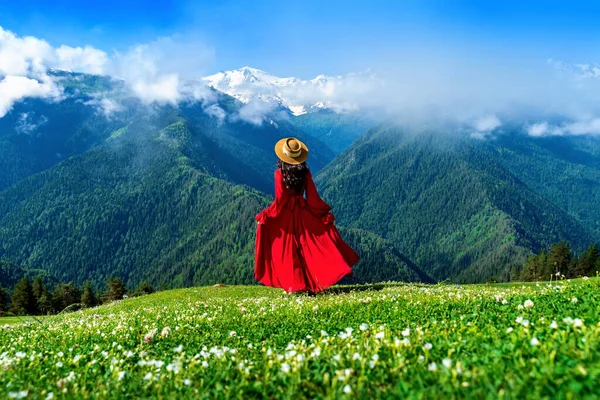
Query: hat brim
[(287, 159)]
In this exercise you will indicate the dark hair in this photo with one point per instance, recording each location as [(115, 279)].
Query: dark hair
[(293, 175)]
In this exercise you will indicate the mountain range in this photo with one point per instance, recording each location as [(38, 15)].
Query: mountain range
[(100, 184), (296, 95)]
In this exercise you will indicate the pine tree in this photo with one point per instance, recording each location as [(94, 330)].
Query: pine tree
[(542, 266), (39, 292), (560, 257), (116, 289), (3, 300), (589, 259), (88, 298), (529, 270), (22, 298), (44, 304), (65, 295), (143, 289)]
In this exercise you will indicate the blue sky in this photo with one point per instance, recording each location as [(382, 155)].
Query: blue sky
[(306, 38)]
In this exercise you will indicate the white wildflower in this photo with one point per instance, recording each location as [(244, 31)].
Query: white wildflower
[(528, 304), (18, 395)]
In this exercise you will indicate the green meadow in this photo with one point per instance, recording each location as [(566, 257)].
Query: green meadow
[(537, 340)]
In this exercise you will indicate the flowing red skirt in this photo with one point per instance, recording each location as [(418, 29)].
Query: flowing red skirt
[(298, 251)]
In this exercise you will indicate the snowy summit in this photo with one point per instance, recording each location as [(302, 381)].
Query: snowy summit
[(298, 96)]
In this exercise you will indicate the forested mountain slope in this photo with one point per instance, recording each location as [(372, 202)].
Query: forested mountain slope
[(445, 201), (156, 204)]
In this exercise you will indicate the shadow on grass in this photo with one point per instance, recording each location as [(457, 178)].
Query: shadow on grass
[(342, 289), (354, 288)]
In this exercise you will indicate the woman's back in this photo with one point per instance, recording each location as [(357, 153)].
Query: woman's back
[(298, 248)]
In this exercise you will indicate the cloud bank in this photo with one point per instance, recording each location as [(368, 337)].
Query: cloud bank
[(156, 72), (482, 93)]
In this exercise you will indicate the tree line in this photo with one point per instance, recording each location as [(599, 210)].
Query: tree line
[(29, 297), (558, 261)]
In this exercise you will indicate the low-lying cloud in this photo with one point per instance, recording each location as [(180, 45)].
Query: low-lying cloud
[(156, 72), (576, 128), (555, 97)]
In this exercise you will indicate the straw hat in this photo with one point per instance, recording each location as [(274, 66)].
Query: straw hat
[(291, 151)]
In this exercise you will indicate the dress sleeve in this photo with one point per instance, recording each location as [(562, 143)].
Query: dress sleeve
[(275, 208), (315, 203)]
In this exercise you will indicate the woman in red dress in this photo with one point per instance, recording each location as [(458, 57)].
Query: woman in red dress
[(298, 247)]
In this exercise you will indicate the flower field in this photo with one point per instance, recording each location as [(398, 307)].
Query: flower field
[(416, 341)]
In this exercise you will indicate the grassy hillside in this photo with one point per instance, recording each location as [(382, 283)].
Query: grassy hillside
[(409, 341)]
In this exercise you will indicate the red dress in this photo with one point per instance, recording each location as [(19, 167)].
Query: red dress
[(298, 248)]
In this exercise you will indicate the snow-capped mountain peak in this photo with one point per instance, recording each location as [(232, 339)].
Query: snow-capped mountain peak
[(298, 96)]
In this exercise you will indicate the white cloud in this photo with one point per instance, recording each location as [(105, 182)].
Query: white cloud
[(255, 112), (484, 126), (156, 71), (153, 71), (538, 129), (589, 126), (585, 70), (487, 123), (82, 59), (27, 125), (105, 106), (25, 60), (16, 88), (216, 112), (160, 89)]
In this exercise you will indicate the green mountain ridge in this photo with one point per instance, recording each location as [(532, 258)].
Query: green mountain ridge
[(445, 201)]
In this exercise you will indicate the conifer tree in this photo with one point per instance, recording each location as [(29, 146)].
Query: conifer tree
[(116, 289), (22, 298), (3, 300), (590, 258), (560, 257), (88, 298), (65, 295), (41, 297), (143, 289)]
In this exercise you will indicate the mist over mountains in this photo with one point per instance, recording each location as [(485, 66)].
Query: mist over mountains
[(100, 184)]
